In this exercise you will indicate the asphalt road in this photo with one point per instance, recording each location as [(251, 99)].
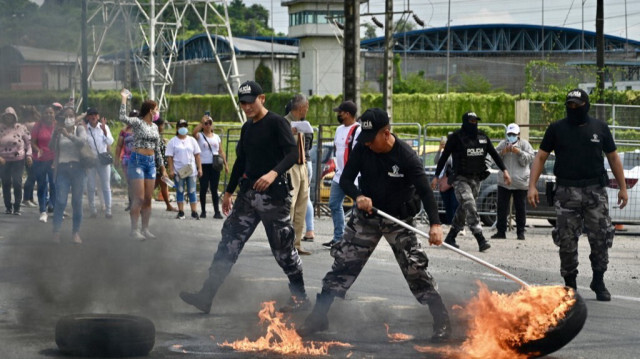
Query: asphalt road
[(109, 273)]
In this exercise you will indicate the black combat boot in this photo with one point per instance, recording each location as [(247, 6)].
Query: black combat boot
[(597, 285), (441, 323), (202, 299), (298, 300), (317, 321), (570, 281), (483, 245), (451, 237)]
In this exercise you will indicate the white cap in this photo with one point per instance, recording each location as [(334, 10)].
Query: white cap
[(513, 128)]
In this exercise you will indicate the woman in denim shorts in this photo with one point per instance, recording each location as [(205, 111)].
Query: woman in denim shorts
[(145, 157)]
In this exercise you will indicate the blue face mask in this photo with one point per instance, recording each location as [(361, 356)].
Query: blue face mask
[(512, 138), (183, 131)]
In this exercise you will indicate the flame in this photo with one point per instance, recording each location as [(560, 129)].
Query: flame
[(177, 347), (280, 338), (501, 323), (397, 337)]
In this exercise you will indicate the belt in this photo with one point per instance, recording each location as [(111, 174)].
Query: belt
[(579, 183)]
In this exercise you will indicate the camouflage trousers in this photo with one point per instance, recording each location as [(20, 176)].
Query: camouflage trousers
[(466, 190), (578, 207), (249, 209), (360, 239)]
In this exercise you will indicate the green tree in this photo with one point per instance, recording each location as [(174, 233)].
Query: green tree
[(404, 25), (369, 31), (264, 77), (473, 83)]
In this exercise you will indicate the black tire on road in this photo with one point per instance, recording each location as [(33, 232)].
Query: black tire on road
[(558, 336), (105, 335)]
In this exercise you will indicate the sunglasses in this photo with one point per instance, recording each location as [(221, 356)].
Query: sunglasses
[(208, 123)]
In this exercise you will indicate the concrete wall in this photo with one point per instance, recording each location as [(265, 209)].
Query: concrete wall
[(321, 61)]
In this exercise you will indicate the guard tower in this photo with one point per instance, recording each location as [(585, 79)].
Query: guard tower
[(320, 48)]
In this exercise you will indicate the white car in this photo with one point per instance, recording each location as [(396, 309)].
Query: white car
[(630, 213)]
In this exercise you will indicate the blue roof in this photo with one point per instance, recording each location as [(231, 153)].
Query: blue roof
[(499, 38)]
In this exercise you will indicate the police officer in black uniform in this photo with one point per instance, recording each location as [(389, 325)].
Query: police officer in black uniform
[(393, 179), (469, 148), (581, 199)]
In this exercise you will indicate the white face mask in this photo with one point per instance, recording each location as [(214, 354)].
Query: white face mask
[(69, 122)]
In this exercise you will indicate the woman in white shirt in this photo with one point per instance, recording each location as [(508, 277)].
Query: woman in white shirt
[(183, 156), (213, 161)]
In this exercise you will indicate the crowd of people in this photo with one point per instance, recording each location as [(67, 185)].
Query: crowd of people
[(67, 153), (61, 152)]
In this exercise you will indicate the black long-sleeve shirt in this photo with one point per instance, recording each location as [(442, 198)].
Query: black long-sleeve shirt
[(455, 145), (389, 179), (265, 145)]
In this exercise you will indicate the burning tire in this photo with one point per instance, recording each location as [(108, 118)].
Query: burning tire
[(105, 335), (558, 336)]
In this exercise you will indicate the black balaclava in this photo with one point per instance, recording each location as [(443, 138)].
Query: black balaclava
[(468, 128), (578, 116)]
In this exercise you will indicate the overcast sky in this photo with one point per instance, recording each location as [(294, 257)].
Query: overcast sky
[(467, 12), (566, 13)]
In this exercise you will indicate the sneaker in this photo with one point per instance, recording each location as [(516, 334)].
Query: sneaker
[(136, 234), (302, 252), (28, 204), (17, 213), (194, 215), (108, 216), (499, 235), (180, 215), (217, 216), (328, 245), (307, 239), (33, 204), (43, 217), (521, 236), (8, 211), (128, 207), (203, 215), (148, 235)]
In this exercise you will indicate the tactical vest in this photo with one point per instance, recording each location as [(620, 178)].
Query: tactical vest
[(471, 159)]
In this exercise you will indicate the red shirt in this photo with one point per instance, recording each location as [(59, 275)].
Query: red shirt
[(41, 135)]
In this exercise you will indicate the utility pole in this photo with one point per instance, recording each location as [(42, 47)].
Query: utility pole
[(351, 62), (387, 92), (600, 57), (85, 73), (448, 42), (152, 49)]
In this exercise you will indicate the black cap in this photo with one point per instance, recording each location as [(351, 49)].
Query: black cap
[(372, 121), (92, 111), (470, 115), (347, 106), (248, 91), (577, 96), (182, 122)]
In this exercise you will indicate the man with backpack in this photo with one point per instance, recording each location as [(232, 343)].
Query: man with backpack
[(344, 141)]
